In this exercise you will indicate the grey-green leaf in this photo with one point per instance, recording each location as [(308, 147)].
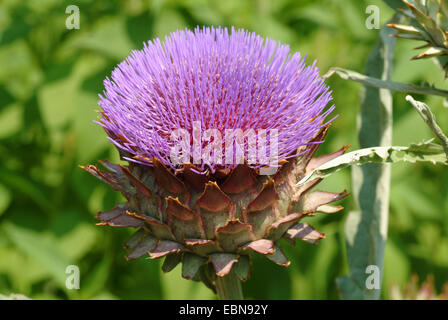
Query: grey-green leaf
[(366, 227), (385, 84), (430, 120), (421, 152)]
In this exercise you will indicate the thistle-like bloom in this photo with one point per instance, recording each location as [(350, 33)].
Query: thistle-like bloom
[(218, 80), (212, 216)]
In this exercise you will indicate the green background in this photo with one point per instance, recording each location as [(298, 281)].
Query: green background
[(50, 78)]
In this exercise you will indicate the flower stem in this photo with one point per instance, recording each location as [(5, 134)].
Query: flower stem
[(229, 287)]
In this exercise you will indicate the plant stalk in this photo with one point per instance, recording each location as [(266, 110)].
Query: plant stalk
[(229, 287)]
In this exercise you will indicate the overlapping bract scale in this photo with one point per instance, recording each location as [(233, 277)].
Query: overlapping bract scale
[(209, 227)]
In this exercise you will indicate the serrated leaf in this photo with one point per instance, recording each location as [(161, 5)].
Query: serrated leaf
[(366, 226), (422, 152)]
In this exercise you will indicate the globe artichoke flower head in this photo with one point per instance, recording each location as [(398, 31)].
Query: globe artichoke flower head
[(217, 128)]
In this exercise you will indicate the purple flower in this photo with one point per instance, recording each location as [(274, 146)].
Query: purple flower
[(218, 79), (182, 98)]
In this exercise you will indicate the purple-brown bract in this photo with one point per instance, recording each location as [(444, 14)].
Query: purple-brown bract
[(211, 219), (223, 80)]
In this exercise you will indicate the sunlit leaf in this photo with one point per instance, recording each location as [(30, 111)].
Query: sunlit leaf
[(78, 242), (42, 249), (57, 102), (168, 21), (10, 120), (109, 37)]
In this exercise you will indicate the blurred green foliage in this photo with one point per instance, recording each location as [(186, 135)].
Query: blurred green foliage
[(49, 81)]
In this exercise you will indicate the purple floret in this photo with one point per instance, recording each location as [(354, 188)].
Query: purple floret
[(224, 80)]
